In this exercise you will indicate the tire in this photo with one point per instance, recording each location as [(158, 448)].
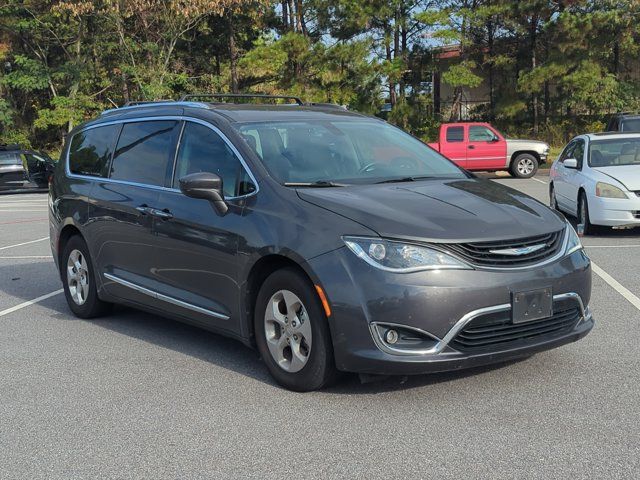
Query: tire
[(524, 165), (288, 293), (79, 280), (583, 215)]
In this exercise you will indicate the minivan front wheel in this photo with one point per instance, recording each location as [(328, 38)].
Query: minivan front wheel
[(79, 280), (292, 332)]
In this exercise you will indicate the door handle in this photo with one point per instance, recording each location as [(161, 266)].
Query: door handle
[(143, 209), (162, 214), (471, 147)]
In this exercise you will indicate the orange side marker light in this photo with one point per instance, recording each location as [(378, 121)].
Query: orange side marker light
[(323, 299)]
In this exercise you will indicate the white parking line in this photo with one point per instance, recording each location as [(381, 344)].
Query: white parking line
[(30, 302), (24, 243), (612, 246), (617, 286), (537, 180), (25, 257)]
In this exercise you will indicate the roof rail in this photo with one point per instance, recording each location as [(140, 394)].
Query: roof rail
[(327, 105), (240, 95), (159, 103), (145, 102)]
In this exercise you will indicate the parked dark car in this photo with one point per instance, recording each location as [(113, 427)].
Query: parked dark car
[(329, 240), (23, 170), (624, 122)]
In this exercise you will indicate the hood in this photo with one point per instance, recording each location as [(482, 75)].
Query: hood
[(461, 210), (627, 175)]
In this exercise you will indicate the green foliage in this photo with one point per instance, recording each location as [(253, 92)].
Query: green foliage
[(555, 68)]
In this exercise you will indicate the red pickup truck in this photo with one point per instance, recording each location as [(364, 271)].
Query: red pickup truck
[(479, 146)]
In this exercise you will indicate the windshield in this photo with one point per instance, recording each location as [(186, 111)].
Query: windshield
[(614, 152), (345, 152)]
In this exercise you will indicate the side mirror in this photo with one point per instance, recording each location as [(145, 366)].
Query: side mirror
[(570, 163), (494, 139), (207, 186)]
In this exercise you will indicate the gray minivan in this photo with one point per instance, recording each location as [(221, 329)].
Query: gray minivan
[(328, 240)]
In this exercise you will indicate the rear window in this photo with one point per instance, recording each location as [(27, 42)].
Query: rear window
[(630, 125), (455, 134), (91, 150), (145, 152), (10, 159)]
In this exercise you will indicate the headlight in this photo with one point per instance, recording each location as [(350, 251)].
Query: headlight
[(573, 242), (607, 190), (401, 257)]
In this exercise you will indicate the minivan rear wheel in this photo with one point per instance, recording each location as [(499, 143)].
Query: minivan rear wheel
[(292, 332), (79, 281)]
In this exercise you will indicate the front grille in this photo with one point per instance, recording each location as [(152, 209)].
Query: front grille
[(481, 254), (496, 330), (636, 214)]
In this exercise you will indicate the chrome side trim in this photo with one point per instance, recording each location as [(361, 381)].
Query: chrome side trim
[(164, 298), (439, 347), (178, 118)]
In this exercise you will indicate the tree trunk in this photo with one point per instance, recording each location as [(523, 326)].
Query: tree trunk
[(392, 85), (233, 55), (292, 17), (285, 15), (534, 100), (302, 28)]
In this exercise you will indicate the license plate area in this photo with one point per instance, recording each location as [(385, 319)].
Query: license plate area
[(531, 305)]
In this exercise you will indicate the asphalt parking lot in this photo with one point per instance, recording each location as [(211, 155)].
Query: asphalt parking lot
[(137, 396)]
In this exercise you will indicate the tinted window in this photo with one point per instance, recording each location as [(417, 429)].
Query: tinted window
[(145, 152), (455, 134), (630, 125), (10, 159), (203, 150), (91, 150), (480, 134)]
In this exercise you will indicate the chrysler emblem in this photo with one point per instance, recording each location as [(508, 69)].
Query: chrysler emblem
[(519, 251)]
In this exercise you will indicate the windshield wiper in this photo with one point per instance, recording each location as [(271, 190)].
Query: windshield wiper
[(318, 184), (406, 179)]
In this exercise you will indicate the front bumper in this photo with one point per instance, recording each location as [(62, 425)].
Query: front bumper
[(440, 304), (614, 212)]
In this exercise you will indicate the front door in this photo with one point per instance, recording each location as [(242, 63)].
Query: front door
[(485, 149), (197, 262)]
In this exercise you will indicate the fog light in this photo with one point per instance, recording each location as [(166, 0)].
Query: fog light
[(391, 336)]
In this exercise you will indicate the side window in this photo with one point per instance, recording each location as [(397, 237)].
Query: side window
[(480, 134), (203, 150), (566, 153), (455, 134), (90, 150), (578, 153), (145, 152)]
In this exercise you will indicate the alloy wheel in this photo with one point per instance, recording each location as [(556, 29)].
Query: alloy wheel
[(78, 277), (525, 166), (288, 331)]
